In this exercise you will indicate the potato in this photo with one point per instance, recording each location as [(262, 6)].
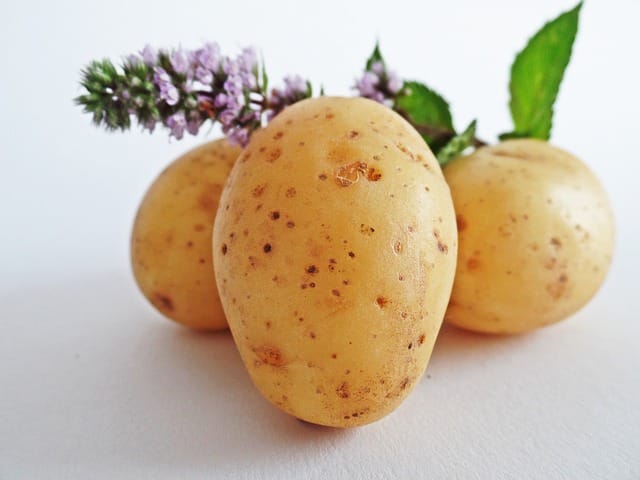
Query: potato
[(171, 240), (335, 248), (536, 236)]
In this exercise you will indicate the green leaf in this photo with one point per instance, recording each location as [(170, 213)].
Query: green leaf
[(376, 56), (536, 75), (428, 111), (457, 145)]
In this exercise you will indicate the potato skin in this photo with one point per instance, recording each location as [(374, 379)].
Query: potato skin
[(536, 236), (335, 249), (171, 239)]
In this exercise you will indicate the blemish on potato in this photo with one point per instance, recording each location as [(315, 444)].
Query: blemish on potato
[(290, 224), (343, 390), (224, 249), (198, 227), (461, 222), (189, 244), (555, 242), (291, 192), (352, 255), (274, 155), (366, 230), (312, 269), (373, 175), (258, 190), (353, 134), (164, 302), (269, 355), (278, 135), (473, 263), (397, 247), (382, 301), (275, 215), (335, 292), (421, 339), (405, 383), (347, 175), (322, 176), (266, 247), (201, 260)]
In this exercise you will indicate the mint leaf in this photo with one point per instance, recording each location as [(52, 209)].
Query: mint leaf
[(428, 111), (457, 145), (376, 56), (536, 75)]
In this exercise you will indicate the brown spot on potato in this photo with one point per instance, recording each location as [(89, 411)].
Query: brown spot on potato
[(461, 222), (278, 135), (164, 302), (421, 339), (373, 175), (269, 355), (291, 192), (473, 263), (404, 383), (322, 176), (189, 244), (382, 301), (266, 247), (343, 390), (201, 260), (290, 224), (275, 215), (274, 155), (198, 227), (397, 247), (258, 190), (353, 134), (366, 230), (312, 335), (334, 355), (224, 248), (555, 242), (312, 269), (335, 292)]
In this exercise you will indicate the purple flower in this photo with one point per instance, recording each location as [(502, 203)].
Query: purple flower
[(379, 84), (149, 55), (203, 75), (177, 124), (179, 61), (194, 122), (168, 91)]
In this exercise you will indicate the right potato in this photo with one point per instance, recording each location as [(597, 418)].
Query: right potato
[(536, 235)]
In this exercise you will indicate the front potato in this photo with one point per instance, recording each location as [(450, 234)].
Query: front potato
[(171, 239), (335, 248), (536, 236)]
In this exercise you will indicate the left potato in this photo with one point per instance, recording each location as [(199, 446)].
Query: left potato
[(171, 239)]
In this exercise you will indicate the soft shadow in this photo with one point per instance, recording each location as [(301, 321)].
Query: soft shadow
[(129, 387)]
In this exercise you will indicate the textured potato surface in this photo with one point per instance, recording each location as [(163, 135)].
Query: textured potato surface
[(171, 240), (335, 248), (536, 236)]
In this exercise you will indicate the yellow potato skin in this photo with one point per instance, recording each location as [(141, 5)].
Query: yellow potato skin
[(171, 239), (536, 236), (335, 248)]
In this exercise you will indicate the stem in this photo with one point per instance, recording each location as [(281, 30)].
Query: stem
[(437, 134)]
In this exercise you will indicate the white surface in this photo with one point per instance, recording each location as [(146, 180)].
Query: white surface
[(95, 385)]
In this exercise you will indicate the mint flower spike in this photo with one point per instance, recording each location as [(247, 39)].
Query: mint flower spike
[(182, 89), (379, 84)]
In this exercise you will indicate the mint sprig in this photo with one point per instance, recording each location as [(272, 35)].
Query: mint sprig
[(457, 145), (536, 75), (428, 111)]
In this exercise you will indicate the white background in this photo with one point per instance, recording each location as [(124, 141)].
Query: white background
[(94, 384)]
